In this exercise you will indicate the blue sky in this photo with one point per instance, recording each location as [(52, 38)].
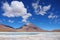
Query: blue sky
[(42, 13)]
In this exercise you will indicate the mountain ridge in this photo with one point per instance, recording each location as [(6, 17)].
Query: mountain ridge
[(25, 28)]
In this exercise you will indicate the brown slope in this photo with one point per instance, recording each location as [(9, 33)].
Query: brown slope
[(30, 28), (55, 30), (5, 28)]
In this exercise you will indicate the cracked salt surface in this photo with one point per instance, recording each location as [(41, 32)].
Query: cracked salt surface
[(27, 36)]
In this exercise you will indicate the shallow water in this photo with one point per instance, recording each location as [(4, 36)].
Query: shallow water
[(27, 33)]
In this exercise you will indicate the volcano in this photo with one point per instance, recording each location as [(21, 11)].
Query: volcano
[(30, 28)]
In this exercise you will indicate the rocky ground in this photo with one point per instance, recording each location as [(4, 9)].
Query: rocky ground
[(40, 36)]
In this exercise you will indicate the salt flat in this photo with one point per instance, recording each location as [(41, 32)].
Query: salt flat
[(30, 36)]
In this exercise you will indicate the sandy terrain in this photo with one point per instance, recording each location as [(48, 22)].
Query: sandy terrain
[(40, 36)]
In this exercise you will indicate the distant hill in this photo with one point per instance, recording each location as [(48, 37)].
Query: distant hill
[(25, 28), (55, 30)]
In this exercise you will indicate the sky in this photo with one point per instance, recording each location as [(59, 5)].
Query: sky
[(44, 14)]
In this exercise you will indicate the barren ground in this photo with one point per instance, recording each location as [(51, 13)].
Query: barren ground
[(40, 36)]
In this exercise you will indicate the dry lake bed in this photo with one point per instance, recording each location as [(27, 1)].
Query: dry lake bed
[(29, 35)]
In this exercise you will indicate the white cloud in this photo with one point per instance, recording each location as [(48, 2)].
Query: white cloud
[(25, 17), (39, 9), (16, 9), (46, 8), (35, 5), (10, 21), (52, 16)]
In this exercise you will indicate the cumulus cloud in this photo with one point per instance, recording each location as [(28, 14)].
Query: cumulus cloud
[(16, 9), (39, 9), (52, 16)]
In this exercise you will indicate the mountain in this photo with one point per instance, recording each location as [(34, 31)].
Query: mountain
[(25, 28), (30, 28), (5, 28)]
